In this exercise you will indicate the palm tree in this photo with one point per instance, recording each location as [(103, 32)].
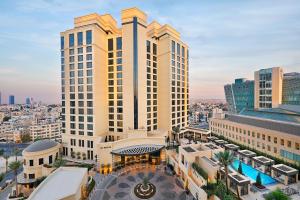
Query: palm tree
[(225, 158), (176, 130), (15, 166), (16, 152), (6, 157)]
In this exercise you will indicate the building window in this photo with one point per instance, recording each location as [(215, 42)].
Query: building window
[(89, 37), (30, 162), (71, 40), (110, 44), (50, 159), (79, 38), (41, 161), (119, 43), (62, 42)]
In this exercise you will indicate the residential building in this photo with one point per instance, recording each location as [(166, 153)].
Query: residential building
[(121, 86), (268, 88), (239, 95), (274, 132), (46, 129), (291, 88), (11, 100)]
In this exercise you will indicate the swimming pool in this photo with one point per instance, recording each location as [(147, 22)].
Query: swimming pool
[(251, 173)]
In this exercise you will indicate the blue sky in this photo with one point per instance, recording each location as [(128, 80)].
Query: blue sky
[(227, 39)]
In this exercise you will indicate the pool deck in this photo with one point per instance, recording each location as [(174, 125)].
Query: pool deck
[(259, 195)]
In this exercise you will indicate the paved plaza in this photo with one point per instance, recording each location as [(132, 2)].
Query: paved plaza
[(120, 186)]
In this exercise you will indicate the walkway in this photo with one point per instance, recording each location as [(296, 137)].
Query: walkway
[(119, 186)]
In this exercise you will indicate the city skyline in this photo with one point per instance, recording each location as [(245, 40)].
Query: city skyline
[(228, 42)]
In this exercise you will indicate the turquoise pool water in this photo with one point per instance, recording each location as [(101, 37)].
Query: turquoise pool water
[(251, 173)]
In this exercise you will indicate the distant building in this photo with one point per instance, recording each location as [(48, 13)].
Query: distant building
[(268, 88), (239, 95), (291, 88), (28, 101), (51, 130), (11, 99), (0, 98)]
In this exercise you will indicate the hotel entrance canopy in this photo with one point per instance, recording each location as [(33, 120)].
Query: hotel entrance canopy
[(137, 150)]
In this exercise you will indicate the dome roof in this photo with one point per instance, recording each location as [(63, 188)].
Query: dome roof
[(41, 145)]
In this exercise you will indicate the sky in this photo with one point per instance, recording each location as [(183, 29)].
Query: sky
[(227, 40)]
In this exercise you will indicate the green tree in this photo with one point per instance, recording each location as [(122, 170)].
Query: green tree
[(240, 169), (25, 138), (16, 152), (176, 131), (59, 162), (258, 180), (15, 166), (277, 195), (225, 158)]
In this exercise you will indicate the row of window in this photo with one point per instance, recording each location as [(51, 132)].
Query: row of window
[(88, 39), (260, 136)]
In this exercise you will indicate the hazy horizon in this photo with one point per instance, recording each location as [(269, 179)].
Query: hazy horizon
[(227, 40)]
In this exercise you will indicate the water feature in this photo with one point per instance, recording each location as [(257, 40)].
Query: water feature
[(252, 173)]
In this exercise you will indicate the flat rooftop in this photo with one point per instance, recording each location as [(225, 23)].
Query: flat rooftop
[(247, 153), (189, 149), (263, 160), (281, 122), (231, 146), (62, 183), (284, 169)]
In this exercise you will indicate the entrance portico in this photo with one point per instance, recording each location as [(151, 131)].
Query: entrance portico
[(150, 153)]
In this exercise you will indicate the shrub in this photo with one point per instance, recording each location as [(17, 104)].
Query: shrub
[(200, 171)]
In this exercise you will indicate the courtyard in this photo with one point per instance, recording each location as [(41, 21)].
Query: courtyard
[(120, 185)]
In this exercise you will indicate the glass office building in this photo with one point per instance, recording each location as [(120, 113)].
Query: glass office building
[(291, 89), (240, 95)]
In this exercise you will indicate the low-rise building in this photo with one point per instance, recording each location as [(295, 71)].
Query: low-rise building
[(65, 183), (38, 157), (188, 159), (274, 132)]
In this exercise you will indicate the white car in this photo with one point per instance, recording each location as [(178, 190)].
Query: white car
[(9, 181)]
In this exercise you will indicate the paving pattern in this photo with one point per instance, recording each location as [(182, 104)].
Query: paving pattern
[(121, 187)]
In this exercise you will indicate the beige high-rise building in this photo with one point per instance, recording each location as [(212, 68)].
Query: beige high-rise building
[(268, 88), (121, 86)]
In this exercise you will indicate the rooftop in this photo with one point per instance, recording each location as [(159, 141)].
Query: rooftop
[(274, 114), (138, 149), (41, 145), (284, 169), (247, 153), (189, 149), (231, 146), (263, 160), (62, 183)]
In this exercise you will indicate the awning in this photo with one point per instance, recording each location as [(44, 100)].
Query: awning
[(138, 150)]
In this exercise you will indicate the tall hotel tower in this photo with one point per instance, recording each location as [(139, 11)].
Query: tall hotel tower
[(123, 89)]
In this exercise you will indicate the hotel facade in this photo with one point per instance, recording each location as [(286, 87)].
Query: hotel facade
[(123, 88)]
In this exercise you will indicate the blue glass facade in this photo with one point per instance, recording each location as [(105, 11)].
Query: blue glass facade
[(290, 155), (135, 72), (11, 100), (240, 95), (291, 89)]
